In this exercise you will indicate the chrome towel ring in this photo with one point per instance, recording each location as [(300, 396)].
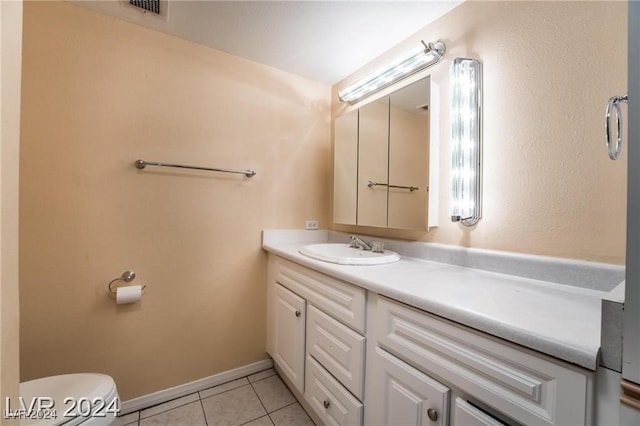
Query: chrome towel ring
[(614, 104)]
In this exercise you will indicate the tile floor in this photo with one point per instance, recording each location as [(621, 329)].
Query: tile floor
[(261, 399)]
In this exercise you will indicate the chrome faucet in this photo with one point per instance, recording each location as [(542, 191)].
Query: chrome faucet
[(360, 243)]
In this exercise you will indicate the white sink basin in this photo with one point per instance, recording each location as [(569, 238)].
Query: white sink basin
[(342, 254)]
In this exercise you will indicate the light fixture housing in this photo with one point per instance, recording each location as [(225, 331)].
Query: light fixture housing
[(402, 67), (466, 138)]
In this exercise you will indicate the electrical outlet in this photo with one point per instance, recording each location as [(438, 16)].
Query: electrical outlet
[(311, 224)]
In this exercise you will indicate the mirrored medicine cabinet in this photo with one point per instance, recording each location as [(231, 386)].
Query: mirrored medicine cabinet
[(386, 160)]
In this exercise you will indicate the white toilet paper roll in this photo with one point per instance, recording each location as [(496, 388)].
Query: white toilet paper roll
[(128, 294)]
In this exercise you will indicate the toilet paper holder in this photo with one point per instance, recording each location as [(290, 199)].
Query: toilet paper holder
[(127, 276)]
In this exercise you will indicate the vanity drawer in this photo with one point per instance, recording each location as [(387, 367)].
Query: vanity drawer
[(338, 348), (528, 387), (466, 414), (329, 399), (343, 301)]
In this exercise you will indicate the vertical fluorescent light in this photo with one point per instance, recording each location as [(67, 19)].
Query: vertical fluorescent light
[(465, 115), (405, 65)]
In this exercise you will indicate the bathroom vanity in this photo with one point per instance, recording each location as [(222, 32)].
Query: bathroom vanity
[(423, 342)]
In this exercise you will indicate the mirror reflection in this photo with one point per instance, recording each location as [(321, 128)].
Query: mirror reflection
[(409, 156), (373, 161), (382, 155)]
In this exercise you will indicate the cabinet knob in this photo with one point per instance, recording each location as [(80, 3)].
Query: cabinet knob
[(433, 415), (298, 313), (326, 403)]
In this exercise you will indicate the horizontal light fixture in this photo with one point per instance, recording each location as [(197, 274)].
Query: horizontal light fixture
[(410, 63), (466, 133)]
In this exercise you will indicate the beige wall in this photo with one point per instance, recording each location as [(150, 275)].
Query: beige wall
[(11, 42), (99, 93), (549, 68)]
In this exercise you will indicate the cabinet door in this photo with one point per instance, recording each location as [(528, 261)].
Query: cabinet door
[(467, 415), (398, 394), (289, 326)]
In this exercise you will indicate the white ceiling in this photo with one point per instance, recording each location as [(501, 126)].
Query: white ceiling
[(324, 41)]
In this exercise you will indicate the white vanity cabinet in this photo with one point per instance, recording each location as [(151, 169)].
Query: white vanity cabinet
[(405, 366), (324, 320), (520, 384)]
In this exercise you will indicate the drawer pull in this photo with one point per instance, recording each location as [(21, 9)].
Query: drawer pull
[(326, 403), (433, 415), (298, 313)]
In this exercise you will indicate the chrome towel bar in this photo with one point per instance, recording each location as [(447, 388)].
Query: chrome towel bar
[(371, 184), (141, 164)]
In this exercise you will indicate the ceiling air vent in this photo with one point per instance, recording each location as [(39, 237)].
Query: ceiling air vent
[(152, 6)]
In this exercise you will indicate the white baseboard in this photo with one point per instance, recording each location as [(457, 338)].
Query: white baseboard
[(165, 395)]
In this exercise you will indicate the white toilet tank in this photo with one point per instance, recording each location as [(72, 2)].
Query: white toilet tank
[(72, 399)]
